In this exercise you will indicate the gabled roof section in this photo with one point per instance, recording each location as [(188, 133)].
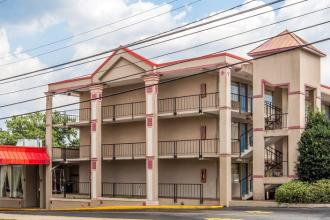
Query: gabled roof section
[(283, 41)]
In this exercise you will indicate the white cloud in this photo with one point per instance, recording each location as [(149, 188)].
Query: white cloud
[(82, 15)]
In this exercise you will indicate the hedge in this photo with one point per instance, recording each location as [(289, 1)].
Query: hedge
[(298, 191)]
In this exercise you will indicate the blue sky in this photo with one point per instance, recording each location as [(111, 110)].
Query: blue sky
[(26, 24)]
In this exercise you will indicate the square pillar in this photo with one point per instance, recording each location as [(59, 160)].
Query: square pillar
[(258, 145), (45, 173), (151, 91), (225, 136), (96, 142), (296, 123)]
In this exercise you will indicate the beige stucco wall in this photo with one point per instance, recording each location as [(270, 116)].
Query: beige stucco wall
[(123, 132), (188, 86), (187, 128)]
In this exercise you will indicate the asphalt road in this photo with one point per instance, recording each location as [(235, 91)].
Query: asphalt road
[(221, 214)]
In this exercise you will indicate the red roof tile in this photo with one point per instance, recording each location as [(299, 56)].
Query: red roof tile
[(281, 42)]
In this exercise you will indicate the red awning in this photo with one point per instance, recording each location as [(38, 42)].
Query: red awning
[(23, 155)]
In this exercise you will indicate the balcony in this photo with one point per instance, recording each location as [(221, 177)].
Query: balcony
[(188, 105), (197, 148), (72, 118), (72, 153), (173, 191), (124, 151), (124, 112), (72, 190)]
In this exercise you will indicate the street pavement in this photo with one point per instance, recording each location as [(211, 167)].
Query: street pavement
[(220, 214)]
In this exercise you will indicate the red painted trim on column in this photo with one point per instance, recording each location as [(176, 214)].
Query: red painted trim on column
[(257, 129), (296, 127), (296, 93), (258, 176)]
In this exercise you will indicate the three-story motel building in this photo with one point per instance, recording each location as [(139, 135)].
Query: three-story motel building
[(228, 134)]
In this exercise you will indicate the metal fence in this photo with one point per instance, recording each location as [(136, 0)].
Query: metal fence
[(72, 116), (130, 150), (72, 189), (165, 190), (130, 110), (198, 147), (71, 152), (198, 102)]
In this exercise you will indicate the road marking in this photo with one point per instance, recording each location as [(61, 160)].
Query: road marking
[(259, 212), (223, 219)]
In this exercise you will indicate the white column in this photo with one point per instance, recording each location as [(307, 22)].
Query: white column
[(225, 136), (151, 91), (96, 142), (46, 173)]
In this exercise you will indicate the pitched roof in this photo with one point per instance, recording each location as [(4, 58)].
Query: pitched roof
[(283, 41)]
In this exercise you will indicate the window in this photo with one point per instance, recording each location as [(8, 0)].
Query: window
[(11, 181), (235, 173), (269, 96)]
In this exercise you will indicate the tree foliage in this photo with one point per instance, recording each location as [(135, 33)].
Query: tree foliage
[(33, 126), (314, 149)]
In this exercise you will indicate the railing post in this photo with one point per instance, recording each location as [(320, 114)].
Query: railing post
[(132, 146), (132, 109), (201, 194), (114, 113), (132, 189), (113, 189), (200, 153), (174, 106), (175, 196), (114, 151), (175, 149), (200, 103)]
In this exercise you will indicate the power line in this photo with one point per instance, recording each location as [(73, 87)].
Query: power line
[(175, 79), (148, 38), (103, 34), (236, 47), (118, 21), (250, 30), (88, 31), (139, 42)]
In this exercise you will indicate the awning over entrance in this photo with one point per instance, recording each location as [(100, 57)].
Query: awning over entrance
[(23, 155)]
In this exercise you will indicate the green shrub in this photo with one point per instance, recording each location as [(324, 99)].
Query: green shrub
[(314, 149), (297, 191)]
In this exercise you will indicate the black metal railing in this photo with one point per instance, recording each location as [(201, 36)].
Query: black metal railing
[(181, 191), (124, 190), (274, 117), (198, 102), (197, 147), (71, 152), (165, 190), (72, 116), (274, 162), (131, 110), (72, 189), (118, 150), (241, 103)]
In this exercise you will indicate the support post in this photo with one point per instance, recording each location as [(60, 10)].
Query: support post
[(225, 136), (151, 91), (45, 174), (96, 137)]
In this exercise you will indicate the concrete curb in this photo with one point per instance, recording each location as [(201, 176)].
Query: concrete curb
[(116, 208), (273, 204)]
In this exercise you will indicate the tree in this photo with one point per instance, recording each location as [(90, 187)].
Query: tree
[(32, 126), (314, 149)]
